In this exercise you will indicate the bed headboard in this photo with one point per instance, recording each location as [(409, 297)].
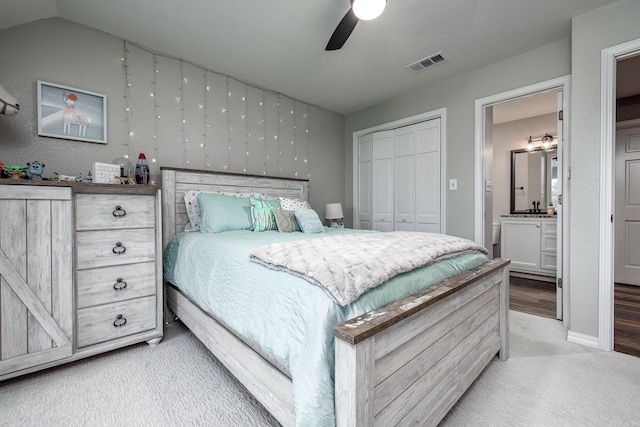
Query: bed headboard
[(175, 182)]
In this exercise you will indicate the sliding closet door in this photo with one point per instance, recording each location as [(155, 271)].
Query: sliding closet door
[(365, 182), (428, 176), (405, 179), (382, 194), (399, 179)]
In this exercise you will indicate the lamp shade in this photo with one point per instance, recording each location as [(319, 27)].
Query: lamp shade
[(333, 211)]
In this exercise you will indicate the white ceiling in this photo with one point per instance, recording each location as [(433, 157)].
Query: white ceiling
[(279, 44)]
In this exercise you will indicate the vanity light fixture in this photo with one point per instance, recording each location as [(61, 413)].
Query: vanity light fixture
[(530, 144), (547, 142)]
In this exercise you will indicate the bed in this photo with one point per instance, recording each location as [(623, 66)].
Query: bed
[(407, 361)]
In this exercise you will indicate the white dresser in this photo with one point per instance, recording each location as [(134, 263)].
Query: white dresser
[(530, 243), (81, 272)]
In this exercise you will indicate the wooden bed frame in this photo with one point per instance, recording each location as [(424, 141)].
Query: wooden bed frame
[(408, 362)]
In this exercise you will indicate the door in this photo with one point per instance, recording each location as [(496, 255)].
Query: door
[(405, 179), (627, 207), (365, 186), (556, 198), (382, 197), (428, 177)]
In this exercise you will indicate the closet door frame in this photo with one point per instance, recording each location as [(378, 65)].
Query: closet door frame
[(422, 117)]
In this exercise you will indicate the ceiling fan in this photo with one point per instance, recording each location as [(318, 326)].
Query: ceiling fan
[(360, 9)]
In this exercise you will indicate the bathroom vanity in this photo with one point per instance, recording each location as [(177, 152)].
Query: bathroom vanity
[(530, 242)]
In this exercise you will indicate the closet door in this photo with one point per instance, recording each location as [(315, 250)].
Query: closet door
[(405, 179), (382, 192), (365, 182), (427, 176)]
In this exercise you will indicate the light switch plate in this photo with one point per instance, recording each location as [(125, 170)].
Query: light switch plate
[(453, 184)]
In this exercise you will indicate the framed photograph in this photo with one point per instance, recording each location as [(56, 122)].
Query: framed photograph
[(70, 113)]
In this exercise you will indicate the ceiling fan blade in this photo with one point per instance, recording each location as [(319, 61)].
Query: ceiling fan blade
[(343, 31)]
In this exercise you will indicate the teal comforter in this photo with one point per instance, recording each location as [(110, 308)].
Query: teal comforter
[(283, 317)]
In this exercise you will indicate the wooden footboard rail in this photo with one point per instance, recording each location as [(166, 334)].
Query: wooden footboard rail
[(409, 362)]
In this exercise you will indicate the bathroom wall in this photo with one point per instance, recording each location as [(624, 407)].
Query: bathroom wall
[(513, 136)]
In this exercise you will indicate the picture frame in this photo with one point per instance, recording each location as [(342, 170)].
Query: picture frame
[(70, 113)]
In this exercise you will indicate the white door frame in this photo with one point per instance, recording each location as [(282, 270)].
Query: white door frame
[(440, 113), (562, 83), (609, 59)]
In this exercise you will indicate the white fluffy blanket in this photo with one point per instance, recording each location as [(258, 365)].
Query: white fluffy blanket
[(348, 265)]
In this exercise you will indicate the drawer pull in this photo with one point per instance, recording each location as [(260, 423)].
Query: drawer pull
[(120, 284), (120, 321), (119, 212), (119, 249)]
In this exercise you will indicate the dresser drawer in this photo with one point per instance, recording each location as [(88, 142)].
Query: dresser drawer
[(112, 284), (99, 324), (108, 211), (114, 247)]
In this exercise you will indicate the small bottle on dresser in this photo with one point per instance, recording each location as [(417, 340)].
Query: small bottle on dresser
[(142, 170)]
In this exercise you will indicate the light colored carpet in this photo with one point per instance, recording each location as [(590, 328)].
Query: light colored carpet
[(547, 381)]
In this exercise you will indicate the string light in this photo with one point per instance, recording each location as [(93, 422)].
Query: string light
[(259, 131)]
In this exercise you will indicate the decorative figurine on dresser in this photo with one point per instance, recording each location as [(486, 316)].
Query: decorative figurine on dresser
[(86, 279), (36, 169)]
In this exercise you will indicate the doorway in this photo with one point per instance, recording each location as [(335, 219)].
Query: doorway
[(490, 175), (610, 59)]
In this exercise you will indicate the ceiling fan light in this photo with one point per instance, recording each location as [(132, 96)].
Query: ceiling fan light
[(368, 9)]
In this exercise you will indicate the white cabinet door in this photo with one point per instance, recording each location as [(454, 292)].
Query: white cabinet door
[(427, 178), (382, 194), (521, 244)]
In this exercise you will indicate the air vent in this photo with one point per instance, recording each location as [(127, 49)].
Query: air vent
[(426, 62)]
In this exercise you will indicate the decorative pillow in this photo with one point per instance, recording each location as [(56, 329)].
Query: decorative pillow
[(286, 220), (220, 212), (193, 209), (262, 214), (309, 221), (292, 204)]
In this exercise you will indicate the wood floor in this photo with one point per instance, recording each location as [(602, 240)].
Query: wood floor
[(626, 326), (532, 297), (539, 298)]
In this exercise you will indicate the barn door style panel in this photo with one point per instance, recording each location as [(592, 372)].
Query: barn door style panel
[(35, 276)]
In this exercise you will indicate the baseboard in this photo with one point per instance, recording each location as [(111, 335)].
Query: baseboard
[(582, 339)]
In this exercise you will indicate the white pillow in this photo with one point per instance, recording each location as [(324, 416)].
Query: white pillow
[(292, 204), (193, 209)]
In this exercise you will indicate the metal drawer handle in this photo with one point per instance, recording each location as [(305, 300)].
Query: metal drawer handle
[(120, 284), (119, 249), (120, 321), (119, 212)]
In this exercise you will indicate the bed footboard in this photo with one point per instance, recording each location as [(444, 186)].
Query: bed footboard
[(411, 361)]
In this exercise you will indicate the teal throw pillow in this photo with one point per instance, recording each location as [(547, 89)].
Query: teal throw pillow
[(262, 215), (309, 221), (224, 213)]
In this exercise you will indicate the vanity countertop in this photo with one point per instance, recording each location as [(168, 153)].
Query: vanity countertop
[(529, 215)]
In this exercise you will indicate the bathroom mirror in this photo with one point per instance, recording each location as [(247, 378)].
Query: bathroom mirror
[(534, 176)]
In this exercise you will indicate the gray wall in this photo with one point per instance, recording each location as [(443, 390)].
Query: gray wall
[(62, 52), (458, 94), (581, 57), (592, 32)]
